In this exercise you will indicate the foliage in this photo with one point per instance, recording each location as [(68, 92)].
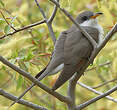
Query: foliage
[(31, 50)]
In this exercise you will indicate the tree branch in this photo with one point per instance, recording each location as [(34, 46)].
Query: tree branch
[(34, 80), (85, 104), (100, 65), (100, 85), (23, 28), (49, 24), (71, 90), (7, 21), (21, 101), (41, 10), (97, 92), (53, 14)]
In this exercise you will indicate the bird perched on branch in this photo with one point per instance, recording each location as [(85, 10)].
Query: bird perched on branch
[(72, 50)]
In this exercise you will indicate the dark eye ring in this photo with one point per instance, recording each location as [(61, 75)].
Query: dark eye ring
[(84, 18)]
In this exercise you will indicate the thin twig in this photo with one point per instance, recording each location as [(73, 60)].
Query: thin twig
[(7, 21), (49, 24), (53, 14), (40, 98), (23, 28), (41, 10), (21, 101), (19, 21), (100, 85), (34, 80), (94, 91), (85, 104), (100, 65), (103, 80), (6, 83)]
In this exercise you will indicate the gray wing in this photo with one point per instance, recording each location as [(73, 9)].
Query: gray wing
[(77, 50), (57, 57)]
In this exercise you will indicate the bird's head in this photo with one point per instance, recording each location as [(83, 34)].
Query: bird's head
[(88, 17)]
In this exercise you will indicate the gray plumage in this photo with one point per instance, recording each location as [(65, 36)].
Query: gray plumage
[(77, 50)]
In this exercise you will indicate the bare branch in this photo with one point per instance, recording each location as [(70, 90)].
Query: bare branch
[(23, 28), (85, 104), (103, 80), (51, 32), (100, 65), (23, 94), (53, 14), (49, 24), (71, 90), (41, 10), (40, 98), (34, 80), (100, 85), (7, 21), (97, 92), (21, 101)]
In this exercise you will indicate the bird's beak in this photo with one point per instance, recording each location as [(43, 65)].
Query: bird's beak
[(96, 15)]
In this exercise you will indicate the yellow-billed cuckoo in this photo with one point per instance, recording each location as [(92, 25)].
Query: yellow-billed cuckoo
[(72, 50)]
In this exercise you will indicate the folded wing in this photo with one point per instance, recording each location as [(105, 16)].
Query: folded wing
[(77, 50)]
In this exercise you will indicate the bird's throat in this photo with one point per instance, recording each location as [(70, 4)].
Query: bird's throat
[(94, 23)]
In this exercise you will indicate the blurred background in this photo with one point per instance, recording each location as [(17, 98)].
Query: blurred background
[(31, 50)]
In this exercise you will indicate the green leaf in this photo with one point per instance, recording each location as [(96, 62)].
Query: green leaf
[(23, 65), (29, 56), (7, 29), (3, 67), (19, 82), (2, 20), (1, 3)]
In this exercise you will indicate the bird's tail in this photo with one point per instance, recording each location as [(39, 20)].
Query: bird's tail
[(63, 77), (37, 76)]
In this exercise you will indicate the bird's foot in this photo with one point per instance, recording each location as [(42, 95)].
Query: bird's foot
[(90, 61)]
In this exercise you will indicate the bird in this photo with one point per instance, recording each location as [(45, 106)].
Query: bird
[(72, 50)]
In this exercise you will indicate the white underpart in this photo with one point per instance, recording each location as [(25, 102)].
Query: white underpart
[(94, 23), (57, 69)]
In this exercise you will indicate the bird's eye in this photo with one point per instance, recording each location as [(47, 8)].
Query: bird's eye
[(84, 18)]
